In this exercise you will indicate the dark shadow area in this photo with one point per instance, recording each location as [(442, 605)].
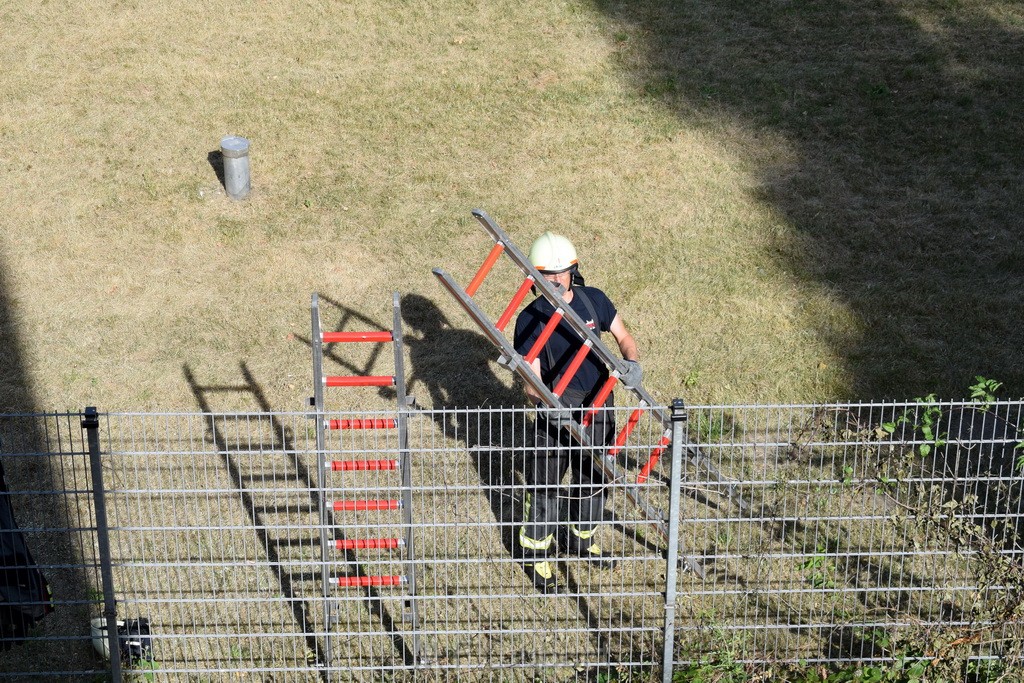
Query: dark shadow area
[(216, 160), (977, 463), (16, 395), (828, 551), (842, 567), (903, 182), (301, 605), (58, 554), (454, 367)]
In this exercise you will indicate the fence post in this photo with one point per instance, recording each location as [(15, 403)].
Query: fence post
[(91, 425), (671, 571)]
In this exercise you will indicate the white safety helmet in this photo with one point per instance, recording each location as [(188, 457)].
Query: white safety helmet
[(551, 253)]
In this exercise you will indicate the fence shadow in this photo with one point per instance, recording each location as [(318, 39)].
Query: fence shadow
[(977, 463), (973, 462)]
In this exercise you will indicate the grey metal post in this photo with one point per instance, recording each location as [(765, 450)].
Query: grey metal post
[(317, 401), (91, 425), (405, 456), (234, 152), (678, 419)]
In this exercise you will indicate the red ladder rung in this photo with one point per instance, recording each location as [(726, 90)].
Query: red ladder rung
[(510, 310), (599, 400), (366, 581), (368, 543), (359, 381), (489, 262), (332, 337), (631, 423), (574, 366), (545, 334), (363, 465), (378, 423), (652, 462), (366, 505)]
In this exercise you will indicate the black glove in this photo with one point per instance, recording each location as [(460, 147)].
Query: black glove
[(633, 374)]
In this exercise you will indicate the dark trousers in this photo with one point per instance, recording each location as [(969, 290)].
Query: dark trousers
[(580, 510)]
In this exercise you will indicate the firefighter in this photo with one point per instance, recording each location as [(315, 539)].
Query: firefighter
[(570, 524)]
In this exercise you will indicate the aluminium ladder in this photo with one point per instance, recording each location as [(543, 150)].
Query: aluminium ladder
[(404, 546), (495, 332)]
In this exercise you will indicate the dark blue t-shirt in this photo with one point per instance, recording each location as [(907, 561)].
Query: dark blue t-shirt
[(564, 342)]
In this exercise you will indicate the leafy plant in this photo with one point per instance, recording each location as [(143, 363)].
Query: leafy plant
[(926, 424), (821, 571), (720, 668), (984, 391)]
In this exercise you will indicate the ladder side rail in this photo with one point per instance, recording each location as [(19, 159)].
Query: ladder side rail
[(321, 474), (515, 362), (405, 455), (618, 366)]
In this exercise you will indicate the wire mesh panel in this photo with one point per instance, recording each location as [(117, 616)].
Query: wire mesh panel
[(215, 536), (47, 543), (877, 531), (480, 609), (806, 533)]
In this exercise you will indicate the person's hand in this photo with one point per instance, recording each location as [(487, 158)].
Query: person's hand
[(634, 373), (557, 417)]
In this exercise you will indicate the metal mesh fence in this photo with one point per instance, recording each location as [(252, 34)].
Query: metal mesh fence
[(856, 533)]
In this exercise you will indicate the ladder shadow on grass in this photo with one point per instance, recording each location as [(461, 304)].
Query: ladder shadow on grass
[(300, 473), (347, 318)]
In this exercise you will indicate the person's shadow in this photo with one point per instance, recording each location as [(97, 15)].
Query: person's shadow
[(454, 366)]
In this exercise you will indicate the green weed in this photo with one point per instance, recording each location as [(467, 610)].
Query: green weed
[(984, 391), (926, 423)]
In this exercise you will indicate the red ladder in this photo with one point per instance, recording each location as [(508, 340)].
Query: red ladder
[(404, 546), (592, 346)]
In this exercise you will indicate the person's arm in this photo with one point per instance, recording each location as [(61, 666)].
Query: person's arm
[(627, 345), (530, 392)]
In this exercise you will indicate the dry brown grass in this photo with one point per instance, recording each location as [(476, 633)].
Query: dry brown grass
[(374, 133), (376, 129)]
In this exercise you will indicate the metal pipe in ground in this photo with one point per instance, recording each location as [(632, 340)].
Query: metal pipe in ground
[(234, 152)]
